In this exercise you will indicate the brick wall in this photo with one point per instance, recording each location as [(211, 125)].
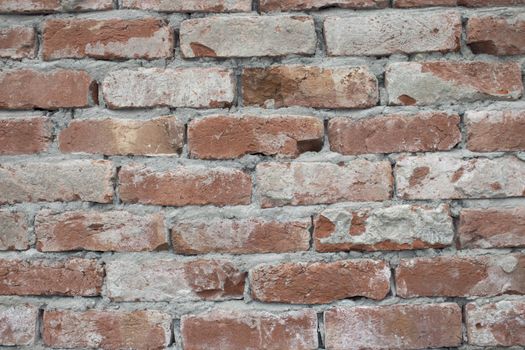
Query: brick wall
[(275, 174)]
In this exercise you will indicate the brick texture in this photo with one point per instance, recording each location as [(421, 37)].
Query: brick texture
[(211, 6), (18, 325), (52, 6), (496, 35), (490, 131), (17, 42), (299, 5), (24, 135), (14, 231)]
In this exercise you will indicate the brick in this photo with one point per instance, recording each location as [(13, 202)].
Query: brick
[(236, 330), (495, 130), (301, 5), (483, 3), (240, 236), (108, 39), (421, 132), (435, 82), (248, 36), (59, 88), (309, 86), (492, 228), (24, 135), (423, 3), (394, 228), (99, 231), (18, 324), (226, 137), (17, 42), (496, 324), (52, 6), (385, 34), (181, 87), (466, 3), (305, 183), (189, 185), (112, 136), (496, 35), (320, 282), (70, 180), (190, 5), (13, 231), (419, 326), (69, 277), (453, 276), (167, 279), (144, 329)]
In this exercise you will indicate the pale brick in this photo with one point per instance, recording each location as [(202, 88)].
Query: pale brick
[(502, 130), (302, 5), (52, 6), (190, 5), (13, 231), (17, 42), (18, 325)]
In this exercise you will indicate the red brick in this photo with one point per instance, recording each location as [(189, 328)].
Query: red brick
[(18, 324), (496, 35), (102, 329), (305, 183), (495, 130), (13, 231), (59, 88), (422, 132), (492, 228), (309, 86), (320, 283), (225, 137), (17, 42), (112, 136), (70, 277), (71, 180), (240, 236), (190, 5), (301, 5), (109, 39), (385, 34), (496, 324), (453, 276), (100, 231), (52, 6), (190, 185), (236, 330), (420, 326), (466, 3), (247, 36), (24, 135), (168, 279)]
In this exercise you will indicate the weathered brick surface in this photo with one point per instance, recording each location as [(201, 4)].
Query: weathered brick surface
[(492, 228), (109, 39), (496, 35), (17, 42), (59, 88), (182, 87), (495, 130), (386, 34), (435, 82), (71, 180), (320, 283), (13, 230), (159, 136), (100, 231), (235, 330), (394, 228), (420, 326), (190, 5), (18, 325), (106, 329), (439, 176), (67, 277), (24, 135), (452, 276), (303, 183), (299, 5), (496, 324), (309, 86), (430, 131), (167, 279), (225, 137), (51, 6), (466, 3), (185, 186), (244, 36)]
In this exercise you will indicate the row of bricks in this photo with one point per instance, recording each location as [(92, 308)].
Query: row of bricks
[(407, 83), (254, 36), (233, 136), (397, 227), (360, 327)]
